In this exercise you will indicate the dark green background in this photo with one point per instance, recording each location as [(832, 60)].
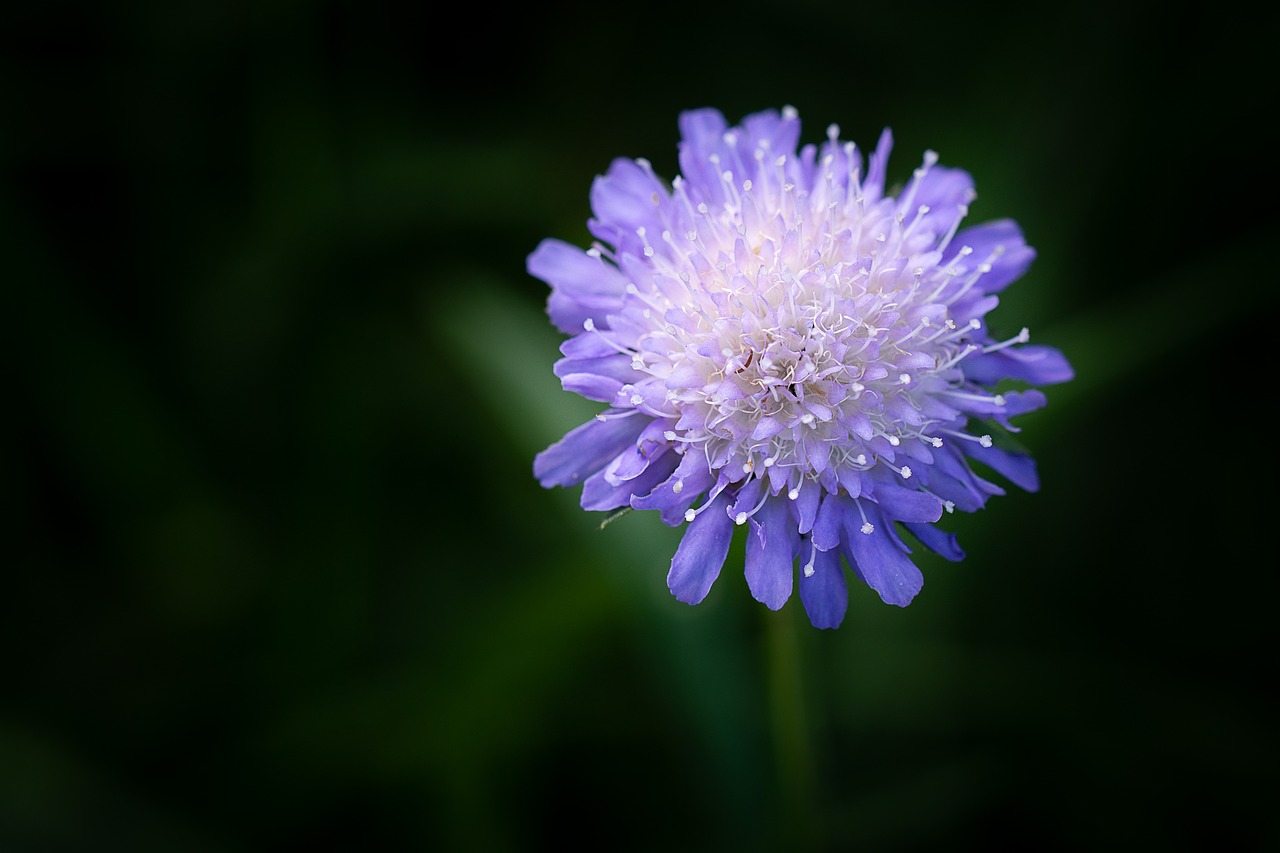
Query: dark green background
[(276, 569)]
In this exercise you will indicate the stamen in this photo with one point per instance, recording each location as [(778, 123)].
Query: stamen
[(741, 518), (1020, 338), (691, 514), (867, 527), (984, 440), (590, 326), (808, 567)]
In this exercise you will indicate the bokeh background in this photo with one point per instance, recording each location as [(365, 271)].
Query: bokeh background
[(277, 573)]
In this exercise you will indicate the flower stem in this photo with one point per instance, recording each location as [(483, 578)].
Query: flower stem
[(791, 735)]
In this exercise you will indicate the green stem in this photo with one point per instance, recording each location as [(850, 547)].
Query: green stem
[(791, 735)]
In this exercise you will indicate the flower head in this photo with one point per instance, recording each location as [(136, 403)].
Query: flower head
[(783, 345)]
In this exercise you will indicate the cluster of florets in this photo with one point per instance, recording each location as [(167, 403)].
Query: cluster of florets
[(781, 344)]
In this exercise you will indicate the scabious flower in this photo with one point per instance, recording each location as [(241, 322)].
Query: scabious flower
[(782, 344)]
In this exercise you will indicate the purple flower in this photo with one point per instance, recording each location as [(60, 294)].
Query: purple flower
[(782, 345)]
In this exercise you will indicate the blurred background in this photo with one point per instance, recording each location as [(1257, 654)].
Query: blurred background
[(277, 572)]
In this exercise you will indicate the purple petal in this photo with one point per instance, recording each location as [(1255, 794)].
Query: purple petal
[(1020, 469), (880, 562), (825, 593), (593, 386), (623, 201), (701, 553), (693, 478), (598, 493), (828, 524), (999, 243), (805, 507), (581, 286), (770, 556), (937, 540), (615, 365), (702, 133), (878, 167), (779, 131), (586, 449), (1033, 363), (944, 190), (906, 504)]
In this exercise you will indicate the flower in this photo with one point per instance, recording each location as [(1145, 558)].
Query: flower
[(781, 343)]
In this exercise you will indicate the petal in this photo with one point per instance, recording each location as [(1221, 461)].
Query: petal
[(825, 593), (586, 449), (937, 540), (878, 167), (1019, 468), (599, 494), (593, 386), (880, 562), (770, 558), (778, 133), (626, 198), (582, 286), (702, 134), (1033, 363), (615, 365), (830, 521), (947, 192), (902, 504), (1000, 244), (701, 553), (693, 478)]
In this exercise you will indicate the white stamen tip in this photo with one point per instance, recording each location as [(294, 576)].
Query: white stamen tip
[(867, 527), (669, 435), (740, 518), (746, 186), (589, 324), (998, 399), (677, 487), (808, 571), (793, 494), (985, 441), (906, 473), (937, 442), (904, 378), (690, 515), (648, 251)]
